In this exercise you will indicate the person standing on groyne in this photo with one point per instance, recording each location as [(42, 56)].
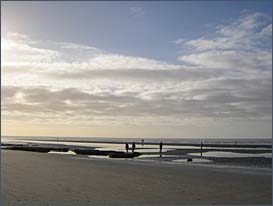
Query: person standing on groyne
[(127, 147), (160, 148), (133, 147)]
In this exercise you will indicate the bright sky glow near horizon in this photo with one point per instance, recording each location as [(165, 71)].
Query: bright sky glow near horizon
[(137, 69)]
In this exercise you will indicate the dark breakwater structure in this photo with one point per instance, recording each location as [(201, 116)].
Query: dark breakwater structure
[(110, 153), (78, 150), (33, 148)]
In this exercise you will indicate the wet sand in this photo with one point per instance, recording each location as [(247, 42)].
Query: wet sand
[(52, 179)]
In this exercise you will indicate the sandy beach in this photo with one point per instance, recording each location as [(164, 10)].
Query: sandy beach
[(52, 179)]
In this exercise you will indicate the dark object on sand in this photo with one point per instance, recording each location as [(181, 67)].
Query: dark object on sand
[(93, 152), (33, 148), (124, 155), (110, 153), (29, 148), (127, 147), (189, 160), (59, 149), (160, 148), (133, 147), (201, 149)]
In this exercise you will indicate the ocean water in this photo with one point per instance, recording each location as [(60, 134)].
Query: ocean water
[(153, 140)]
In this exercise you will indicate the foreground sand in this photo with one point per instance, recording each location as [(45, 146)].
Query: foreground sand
[(59, 180)]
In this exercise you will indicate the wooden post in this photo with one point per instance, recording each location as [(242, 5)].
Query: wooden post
[(201, 149), (160, 149)]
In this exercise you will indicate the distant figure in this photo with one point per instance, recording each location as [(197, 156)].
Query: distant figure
[(142, 142), (201, 149), (127, 147), (133, 146), (160, 148)]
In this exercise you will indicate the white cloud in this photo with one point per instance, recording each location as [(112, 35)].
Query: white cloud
[(242, 47), (21, 53), (251, 31), (17, 36), (68, 56), (137, 11), (178, 41), (232, 60)]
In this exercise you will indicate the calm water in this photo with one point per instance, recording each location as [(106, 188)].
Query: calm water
[(155, 140)]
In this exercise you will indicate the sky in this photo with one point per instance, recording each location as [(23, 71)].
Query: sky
[(192, 69)]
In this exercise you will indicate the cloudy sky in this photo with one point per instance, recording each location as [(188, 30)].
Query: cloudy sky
[(137, 69)]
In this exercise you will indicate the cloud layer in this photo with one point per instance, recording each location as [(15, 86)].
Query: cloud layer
[(224, 76)]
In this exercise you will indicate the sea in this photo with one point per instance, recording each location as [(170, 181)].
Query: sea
[(153, 140)]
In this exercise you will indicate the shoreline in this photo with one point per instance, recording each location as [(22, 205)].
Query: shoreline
[(246, 156)]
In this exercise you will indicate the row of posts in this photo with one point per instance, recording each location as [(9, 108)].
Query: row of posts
[(160, 147)]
